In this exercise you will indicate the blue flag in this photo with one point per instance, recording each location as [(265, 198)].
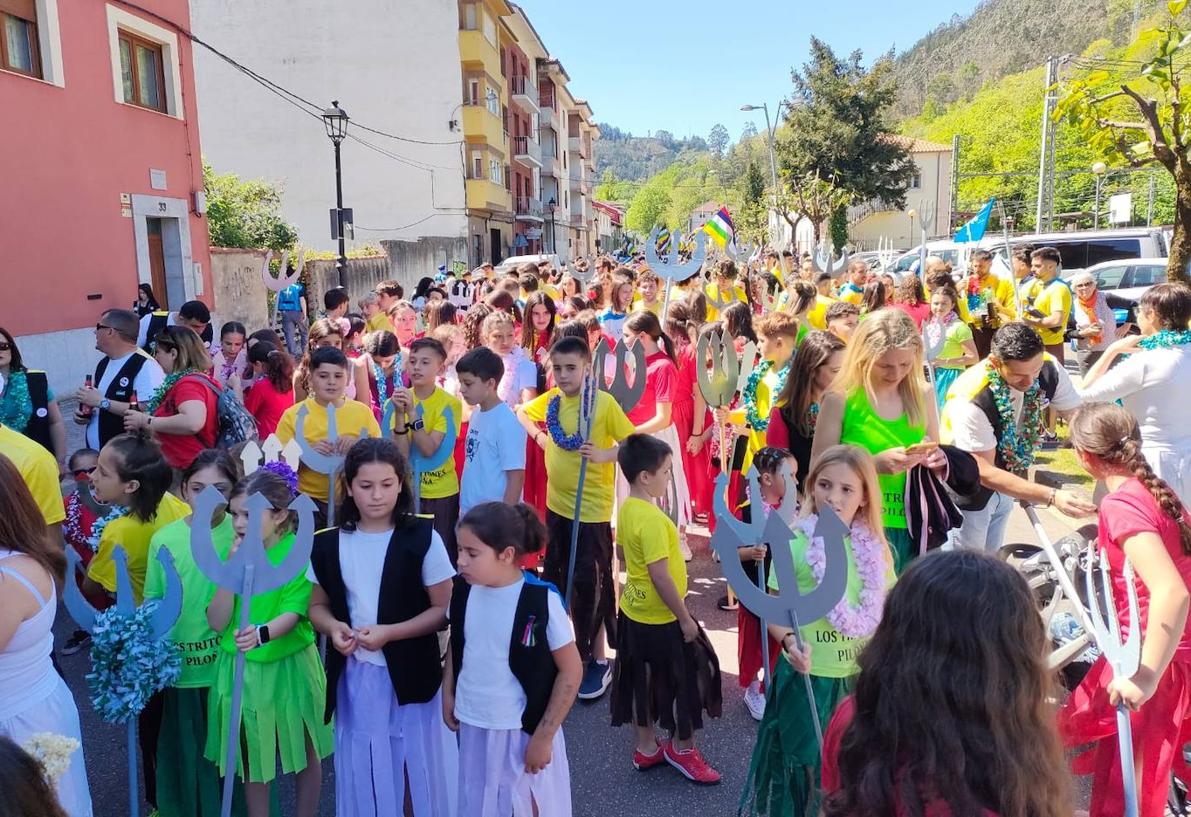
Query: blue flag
[(974, 229)]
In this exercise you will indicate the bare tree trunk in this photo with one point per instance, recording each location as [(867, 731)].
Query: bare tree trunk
[(1180, 242)]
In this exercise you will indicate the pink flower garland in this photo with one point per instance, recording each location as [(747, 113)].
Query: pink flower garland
[(872, 566)]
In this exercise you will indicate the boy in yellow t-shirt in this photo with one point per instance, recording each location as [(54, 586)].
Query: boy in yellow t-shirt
[(592, 604), (649, 293), (329, 372), (852, 290), (654, 625), (723, 290), (438, 491)]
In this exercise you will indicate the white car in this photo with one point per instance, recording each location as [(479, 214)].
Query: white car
[(514, 261)]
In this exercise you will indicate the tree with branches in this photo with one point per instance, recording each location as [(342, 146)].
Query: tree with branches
[(1132, 112)]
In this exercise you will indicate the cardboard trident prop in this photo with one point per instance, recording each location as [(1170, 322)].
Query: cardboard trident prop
[(669, 269), (1123, 657), (420, 463), (162, 618), (328, 464), (826, 261), (752, 534), (247, 572), (790, 604), (252, 455), (886, 253), (282, 280)]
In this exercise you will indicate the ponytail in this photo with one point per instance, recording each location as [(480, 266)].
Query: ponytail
[(501, 526), (1112, 435)]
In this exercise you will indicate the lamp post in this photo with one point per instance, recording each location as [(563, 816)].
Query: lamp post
[(1098, 169), (912, 213), (770, 130), (552, 205), (335, 118)]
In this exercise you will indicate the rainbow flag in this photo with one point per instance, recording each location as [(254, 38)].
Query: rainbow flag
[(720, 227), (663, 242)]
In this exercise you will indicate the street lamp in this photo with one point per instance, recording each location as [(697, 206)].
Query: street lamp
[(1098, 169), (912, 213), (335, 118), (553, 205), (770, 130)]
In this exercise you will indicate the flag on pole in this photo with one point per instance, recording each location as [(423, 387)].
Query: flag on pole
[(974, 229), (721, 228), (663, 242)]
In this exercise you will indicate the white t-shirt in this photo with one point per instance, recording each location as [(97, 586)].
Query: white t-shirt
[(520, 373), (487, 694), (1155, 387), (973, 432), (146, 382), (362, 560), (495, 444)]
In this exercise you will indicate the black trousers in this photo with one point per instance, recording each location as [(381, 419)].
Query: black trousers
[(592, 599)]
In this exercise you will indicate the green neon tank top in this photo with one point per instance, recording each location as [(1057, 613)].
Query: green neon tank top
[(863, 427)]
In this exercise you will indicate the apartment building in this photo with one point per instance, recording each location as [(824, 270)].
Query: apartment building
[(101, 164)]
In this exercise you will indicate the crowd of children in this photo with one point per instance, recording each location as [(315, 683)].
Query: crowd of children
[(489, 483)]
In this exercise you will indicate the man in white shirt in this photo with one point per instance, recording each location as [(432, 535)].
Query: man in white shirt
[(124, 370), (995, 411)]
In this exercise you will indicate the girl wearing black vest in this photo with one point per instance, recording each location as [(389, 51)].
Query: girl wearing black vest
[(27, 404), (512, 672), (382, 586)]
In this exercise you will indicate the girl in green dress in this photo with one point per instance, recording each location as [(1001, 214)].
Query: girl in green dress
[(882, 403), (784, 773), (284, 682)]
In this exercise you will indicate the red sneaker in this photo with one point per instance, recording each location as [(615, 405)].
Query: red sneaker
[(641, 762), (692, 765)]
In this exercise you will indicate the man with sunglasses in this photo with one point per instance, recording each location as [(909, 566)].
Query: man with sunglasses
[(124, 369)]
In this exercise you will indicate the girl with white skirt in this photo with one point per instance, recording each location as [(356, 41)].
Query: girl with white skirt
[(512, 672), (382, 586)]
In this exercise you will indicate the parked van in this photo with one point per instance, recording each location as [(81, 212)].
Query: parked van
[(1086, 248)]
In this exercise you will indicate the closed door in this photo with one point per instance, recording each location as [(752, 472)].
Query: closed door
[(494, 238), (157, 263)]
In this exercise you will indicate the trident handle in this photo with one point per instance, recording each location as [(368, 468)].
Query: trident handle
[(233, 733)]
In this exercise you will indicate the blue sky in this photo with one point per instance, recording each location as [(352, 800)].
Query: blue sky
[(658, 64)]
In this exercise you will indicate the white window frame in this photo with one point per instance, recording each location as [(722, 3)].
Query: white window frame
[(119, 19), (916, 180), (49, 46), (494, 170)]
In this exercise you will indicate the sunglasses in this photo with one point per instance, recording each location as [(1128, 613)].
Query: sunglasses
[(99, 326)]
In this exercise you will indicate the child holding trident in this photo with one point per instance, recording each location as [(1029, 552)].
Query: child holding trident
[(784, 771), (592, 606)]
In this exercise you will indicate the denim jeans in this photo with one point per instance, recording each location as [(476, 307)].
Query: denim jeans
[(291, 319), (983, 529)]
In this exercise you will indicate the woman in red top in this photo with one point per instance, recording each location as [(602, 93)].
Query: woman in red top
[(951, 713), (272, 389), (653, 413), (182, 413), (692, 418), (911, 299), (1143, 520)]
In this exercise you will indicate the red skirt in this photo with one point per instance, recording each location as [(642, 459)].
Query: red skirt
[(1159, 732), (700, 478), (534, 493), (460, 450)]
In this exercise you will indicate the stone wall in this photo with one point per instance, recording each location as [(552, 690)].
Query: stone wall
[(406, 262), (239, 292)]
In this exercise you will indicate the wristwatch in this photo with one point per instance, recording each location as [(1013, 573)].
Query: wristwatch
[(417, 425), (262, 634), (105, 404)]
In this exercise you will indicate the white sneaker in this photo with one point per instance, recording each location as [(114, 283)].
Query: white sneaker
[(754, 700), (684, 548)]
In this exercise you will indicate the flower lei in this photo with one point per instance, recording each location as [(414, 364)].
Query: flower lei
[(977, 294), (53, 752), (936, 333), (812, 416), (16, 407), (164, 388), (1017, 450), (99, 524), (129, 665), (569, 442), (749, 395), (72, 528), (1164, 339), (382, 381), (869, 554)]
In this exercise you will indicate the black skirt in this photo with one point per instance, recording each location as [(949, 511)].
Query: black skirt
[(661, 679)]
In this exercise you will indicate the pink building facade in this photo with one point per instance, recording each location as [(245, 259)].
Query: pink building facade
[(102, 171)]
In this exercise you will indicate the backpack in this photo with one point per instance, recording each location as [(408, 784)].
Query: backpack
[(290, 298), (236, 423)]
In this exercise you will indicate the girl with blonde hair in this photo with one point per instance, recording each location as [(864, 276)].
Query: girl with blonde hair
[(882, 403)]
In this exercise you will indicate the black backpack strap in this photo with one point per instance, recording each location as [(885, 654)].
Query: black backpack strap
[(459, 595)]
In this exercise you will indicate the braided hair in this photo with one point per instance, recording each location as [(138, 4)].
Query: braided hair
[(1111, 434)]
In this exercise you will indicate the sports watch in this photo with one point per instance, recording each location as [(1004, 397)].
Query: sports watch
[(417, 425), (262, 634)]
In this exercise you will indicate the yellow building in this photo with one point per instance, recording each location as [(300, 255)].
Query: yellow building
[(484, 38)]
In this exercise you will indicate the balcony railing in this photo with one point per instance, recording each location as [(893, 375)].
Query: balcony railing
[(529, 207), (525, 92), (527, 150)]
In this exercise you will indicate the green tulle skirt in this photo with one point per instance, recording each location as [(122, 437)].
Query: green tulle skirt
[(188, 785), (784, 774), (282, 708)]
